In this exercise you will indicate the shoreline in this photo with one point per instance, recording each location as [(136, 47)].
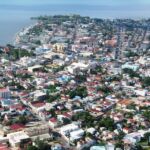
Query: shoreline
[(12, 40), (30, 26)]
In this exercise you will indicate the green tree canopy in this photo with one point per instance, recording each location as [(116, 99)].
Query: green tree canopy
[(79, 91), (22, 119), (146, 82), (32, 148), (85, 117), (41, 145), (107, 123)]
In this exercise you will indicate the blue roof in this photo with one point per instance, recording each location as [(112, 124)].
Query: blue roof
[(64, 78), (76, 98)]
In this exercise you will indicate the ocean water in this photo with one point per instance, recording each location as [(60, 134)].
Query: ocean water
[(14, 17)]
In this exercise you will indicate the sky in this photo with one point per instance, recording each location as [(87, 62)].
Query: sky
[(86, 2), (131, 5), (84, 5)]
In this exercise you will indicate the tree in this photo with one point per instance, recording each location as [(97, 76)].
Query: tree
[(131, 54), (52, 112), (86, 118), (146, 82), (18, 53), (137, 147), (146, 114), (52, 98), (131, 106), (52, 88), (119, 145), (119, 139), (96, 70), (147, 136), (22, 120), (131, 73), (66, 120), (129, 115), (32, 148), (120, 136), (107, 123), (42, 145), (105, 89), (38, 42), (80, 78), (79, 91)]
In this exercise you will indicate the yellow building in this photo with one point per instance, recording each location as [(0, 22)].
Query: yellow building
[(60, 47)]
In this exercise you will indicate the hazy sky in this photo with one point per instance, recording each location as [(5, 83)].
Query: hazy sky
[(94, 2), (122, 5)]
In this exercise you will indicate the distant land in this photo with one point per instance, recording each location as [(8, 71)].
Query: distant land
[(15, 15)]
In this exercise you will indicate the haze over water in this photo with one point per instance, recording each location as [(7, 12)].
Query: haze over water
[(15, 14)]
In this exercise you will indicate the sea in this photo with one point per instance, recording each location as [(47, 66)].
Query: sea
[(14, 17)]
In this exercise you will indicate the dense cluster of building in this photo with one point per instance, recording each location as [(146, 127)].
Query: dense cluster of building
[(85, 86)]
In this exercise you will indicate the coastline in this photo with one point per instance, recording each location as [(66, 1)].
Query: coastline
[(30, 26)]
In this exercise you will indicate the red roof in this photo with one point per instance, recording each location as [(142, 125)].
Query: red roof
[(23, 94), (67, 115), (3, 146), (4, 90), (94, 110), (17, 126), (17, 106), (126, 129), (54, 120), (37, 104), (21, 108)]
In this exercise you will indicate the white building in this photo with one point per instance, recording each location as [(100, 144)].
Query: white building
[(133, 137), (144, 60), (72, 132), (31, 69), (141, 92), (76, 67), (68, 128), (15, 138), (26, 61), (134, 67), (77, 134)]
